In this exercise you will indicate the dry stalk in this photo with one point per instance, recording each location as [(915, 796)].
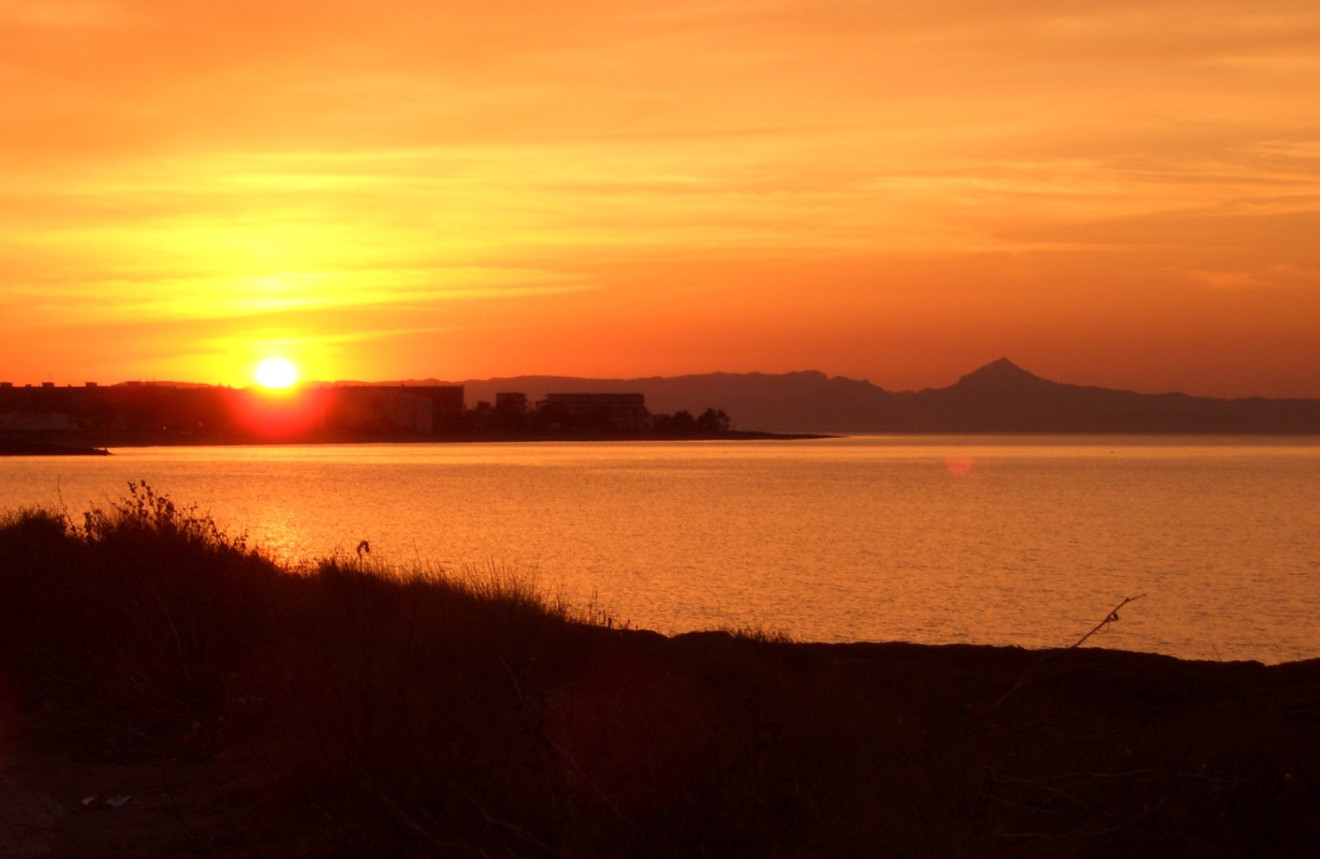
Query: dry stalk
[(1026, 677)]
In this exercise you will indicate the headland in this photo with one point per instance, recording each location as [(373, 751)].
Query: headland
[(94, 417)]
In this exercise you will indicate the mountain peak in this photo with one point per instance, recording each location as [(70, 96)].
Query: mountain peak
[(998, 374)]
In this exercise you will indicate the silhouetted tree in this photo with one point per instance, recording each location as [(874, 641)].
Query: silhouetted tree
[(713, 421)]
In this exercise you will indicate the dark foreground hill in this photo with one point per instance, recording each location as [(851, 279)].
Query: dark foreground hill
[(1000, 397), (164, 691)]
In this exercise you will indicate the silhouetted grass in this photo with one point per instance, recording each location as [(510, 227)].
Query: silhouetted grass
[(427, 714)]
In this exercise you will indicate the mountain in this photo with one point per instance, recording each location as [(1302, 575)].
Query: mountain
[(999, 397), (1002, 397)]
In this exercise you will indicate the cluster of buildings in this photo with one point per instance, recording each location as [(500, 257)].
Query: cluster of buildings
[(138, 411)]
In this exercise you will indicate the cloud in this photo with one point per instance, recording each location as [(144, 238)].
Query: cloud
[(224, 161), (1267, 277)]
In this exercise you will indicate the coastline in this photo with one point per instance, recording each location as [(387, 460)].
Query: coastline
[(13, 447), (99, 444)]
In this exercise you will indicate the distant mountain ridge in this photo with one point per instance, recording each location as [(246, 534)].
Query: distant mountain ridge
[(999, 397)]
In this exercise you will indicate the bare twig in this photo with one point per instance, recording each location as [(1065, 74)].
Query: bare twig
[(1111, 618), (1030, 672)]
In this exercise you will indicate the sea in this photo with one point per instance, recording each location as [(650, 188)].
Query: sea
[(1024, 541)]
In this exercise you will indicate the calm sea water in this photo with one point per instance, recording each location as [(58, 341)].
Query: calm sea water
[(1001, 540)]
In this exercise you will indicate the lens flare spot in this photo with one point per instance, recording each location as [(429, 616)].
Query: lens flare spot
[(959, 466)]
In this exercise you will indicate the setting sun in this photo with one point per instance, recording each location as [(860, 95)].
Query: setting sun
[(1122, 197), (276, 373)]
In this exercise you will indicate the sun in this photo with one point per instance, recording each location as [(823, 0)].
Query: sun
[(276, 373)]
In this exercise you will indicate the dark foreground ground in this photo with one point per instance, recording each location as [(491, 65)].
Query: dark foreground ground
[(228, 707)]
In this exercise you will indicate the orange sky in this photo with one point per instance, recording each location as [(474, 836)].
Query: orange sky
[(1124, 194)]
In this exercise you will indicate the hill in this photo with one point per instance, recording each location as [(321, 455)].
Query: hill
[(999, 397)]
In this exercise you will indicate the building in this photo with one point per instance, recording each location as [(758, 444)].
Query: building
[(611, 411), (422, 409), (35, 422), (511, 403)]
